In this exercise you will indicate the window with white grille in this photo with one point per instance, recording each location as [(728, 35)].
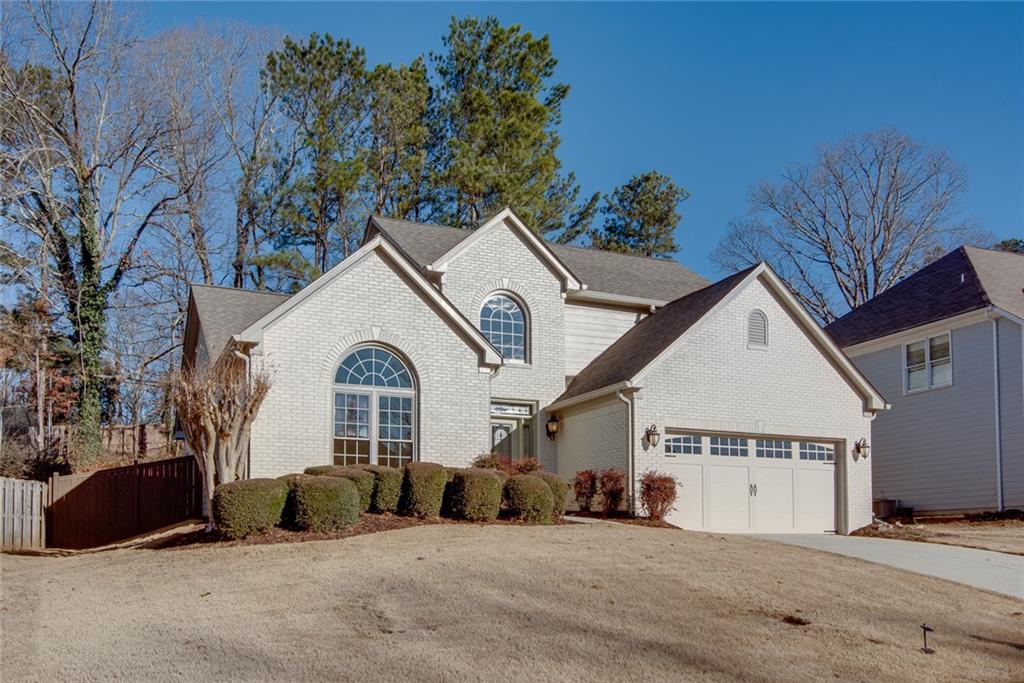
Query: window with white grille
[(682, 445)]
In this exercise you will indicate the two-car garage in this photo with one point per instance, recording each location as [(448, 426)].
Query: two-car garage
[(737, 483)]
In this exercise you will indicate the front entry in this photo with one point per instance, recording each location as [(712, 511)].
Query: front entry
[(512, 431)]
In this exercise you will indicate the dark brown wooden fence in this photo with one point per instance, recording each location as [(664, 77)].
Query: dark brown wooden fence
[(96, 508)]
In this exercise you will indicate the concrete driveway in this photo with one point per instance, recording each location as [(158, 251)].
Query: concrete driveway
[(997, 572)]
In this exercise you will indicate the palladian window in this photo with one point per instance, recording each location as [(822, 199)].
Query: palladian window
[(503, 322), (374, 409)]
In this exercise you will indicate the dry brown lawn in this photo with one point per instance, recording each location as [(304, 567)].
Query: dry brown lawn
[(1004, 535), (573, 602)]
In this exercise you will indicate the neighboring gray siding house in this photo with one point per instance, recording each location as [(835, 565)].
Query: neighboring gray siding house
[(944, 346), (438, 344)]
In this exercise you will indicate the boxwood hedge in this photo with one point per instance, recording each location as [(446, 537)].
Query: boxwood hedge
[(423, 489), (387, 488), (244, 507), (475, 494), (528, 497), (325, 503), (559, 491)]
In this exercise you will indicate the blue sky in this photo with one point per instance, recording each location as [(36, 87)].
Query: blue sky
[(720, 96)]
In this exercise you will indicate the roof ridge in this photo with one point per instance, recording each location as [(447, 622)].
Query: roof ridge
[(978, 282), (237, 289), (990, 250), (598, 250)]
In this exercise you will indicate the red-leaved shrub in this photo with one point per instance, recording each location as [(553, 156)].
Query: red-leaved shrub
[(524, 466), (613, 489), (584, 487), (657, 494)]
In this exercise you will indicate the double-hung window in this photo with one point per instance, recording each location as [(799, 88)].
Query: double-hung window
[(928, 363)]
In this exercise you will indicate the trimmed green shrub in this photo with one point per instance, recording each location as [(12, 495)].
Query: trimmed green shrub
[(244, 507), (326, 470), (559, 491), (325, 503), (501, 474), (387, 487), (423, 489), (288, 515), (475, 494), (528, 497), (363, 480)]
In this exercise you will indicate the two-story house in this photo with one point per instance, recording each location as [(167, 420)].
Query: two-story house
[(439, 344), (946, 348)]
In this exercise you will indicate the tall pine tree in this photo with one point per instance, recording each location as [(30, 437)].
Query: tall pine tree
[(495, 119), (640, 216)]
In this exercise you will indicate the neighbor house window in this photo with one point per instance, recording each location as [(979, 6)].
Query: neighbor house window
[(928, 363), (374, 409), (503, 322), (728, 445), (774, 448), (757, 330), (817, 451), (682, 445)]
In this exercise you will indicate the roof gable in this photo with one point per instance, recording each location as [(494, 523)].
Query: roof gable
[(506, 219), (648, 281), (964, 280), (222, 312), (488, 354), (634, 354)]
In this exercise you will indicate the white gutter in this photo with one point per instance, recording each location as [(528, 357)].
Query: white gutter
[(620, 299), (999, 430), (630, 498), (589, 396)]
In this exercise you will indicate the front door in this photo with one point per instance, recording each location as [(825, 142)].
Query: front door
[(504, 440)]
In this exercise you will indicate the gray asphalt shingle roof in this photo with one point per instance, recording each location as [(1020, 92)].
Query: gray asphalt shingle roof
[(600, 271), (225, 311), (964, 280), (634, 350)]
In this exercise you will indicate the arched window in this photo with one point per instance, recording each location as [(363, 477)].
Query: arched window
[(374, 409), (503, 322), (757, 330)]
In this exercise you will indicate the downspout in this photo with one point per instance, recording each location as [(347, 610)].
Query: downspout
[(999, 430), (248, 380), (629, 449)]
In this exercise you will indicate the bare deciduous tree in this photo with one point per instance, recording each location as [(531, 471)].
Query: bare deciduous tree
[(216, 405), (867, 213)]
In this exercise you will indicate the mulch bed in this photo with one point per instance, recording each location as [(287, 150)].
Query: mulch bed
[(367, 524), (624, 518)]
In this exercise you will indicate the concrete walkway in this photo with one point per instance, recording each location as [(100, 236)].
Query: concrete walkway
[(997, 572)]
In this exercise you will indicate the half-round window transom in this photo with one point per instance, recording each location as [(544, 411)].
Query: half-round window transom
[(376, 367), (503, 323)]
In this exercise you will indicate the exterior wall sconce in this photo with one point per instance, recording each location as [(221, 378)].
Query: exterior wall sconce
[(861, 448), (652, 436), (551, 427)]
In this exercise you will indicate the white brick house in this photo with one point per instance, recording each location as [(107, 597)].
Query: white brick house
[(438, 344)]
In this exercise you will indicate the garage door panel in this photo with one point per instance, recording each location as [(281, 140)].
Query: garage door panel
[(816, 490), (689, 507), (729, 498), (774, 501)]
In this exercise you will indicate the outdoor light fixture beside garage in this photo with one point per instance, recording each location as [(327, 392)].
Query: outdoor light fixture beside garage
[(652, 436), (552, 427), (861, 448)]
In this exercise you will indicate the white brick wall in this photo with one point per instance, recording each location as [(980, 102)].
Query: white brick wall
[(593, 436), (501, 261), (367, 303), (713, 382)]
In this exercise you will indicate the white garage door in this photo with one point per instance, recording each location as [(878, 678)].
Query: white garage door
[(735, 483)]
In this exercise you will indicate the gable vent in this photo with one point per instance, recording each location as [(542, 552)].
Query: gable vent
[(757, 330)]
